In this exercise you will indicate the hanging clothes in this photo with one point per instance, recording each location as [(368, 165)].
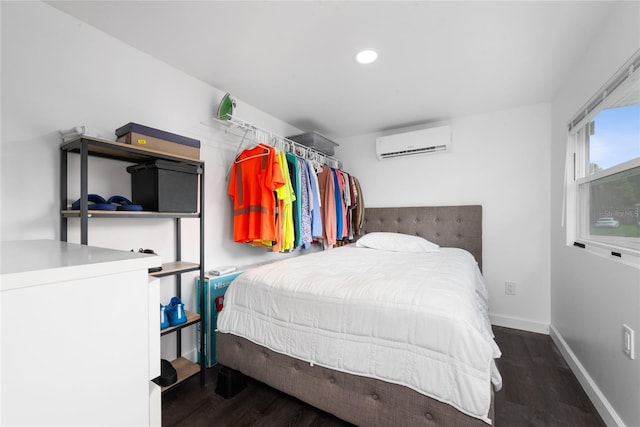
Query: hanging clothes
[(286, 195), (339, 203), (346, 199), (255, 175), (316, 205), (283, 201), (352, 207), (358, 218), (306, 201), (294, 174), (346, 203), (328, 211)]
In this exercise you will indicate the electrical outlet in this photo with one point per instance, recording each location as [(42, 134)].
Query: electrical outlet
[(628, 346), (510, 288)]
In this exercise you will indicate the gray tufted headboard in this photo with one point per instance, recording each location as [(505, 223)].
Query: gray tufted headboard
[(448, 226)]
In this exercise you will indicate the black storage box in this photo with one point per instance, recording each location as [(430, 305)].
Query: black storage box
[(230, 382), (165, 186)]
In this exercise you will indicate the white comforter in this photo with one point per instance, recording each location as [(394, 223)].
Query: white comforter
[(415, 319)]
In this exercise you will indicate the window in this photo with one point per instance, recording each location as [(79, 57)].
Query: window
[(603, 191)]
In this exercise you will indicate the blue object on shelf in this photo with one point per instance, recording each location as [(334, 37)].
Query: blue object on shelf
[(123, 204), (96, 202), (175, 312), (164, 320)]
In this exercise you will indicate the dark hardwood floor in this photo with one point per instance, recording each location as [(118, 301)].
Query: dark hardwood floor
[(538, 389)]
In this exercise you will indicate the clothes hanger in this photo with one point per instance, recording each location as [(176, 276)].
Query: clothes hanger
[(279, 143), (266, 153), (253, 137)]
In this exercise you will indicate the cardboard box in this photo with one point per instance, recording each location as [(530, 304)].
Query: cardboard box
[(159, 140), (214, 290)]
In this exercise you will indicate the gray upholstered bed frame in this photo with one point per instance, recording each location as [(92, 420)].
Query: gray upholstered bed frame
[(448, 226), (359, 400)]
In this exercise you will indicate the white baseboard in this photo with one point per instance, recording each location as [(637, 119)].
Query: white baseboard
[(604, 408), (519, 323)]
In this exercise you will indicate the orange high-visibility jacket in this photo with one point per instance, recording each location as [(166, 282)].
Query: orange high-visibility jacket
[(255, 175)]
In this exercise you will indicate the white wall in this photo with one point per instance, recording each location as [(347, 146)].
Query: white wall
[(499, 160), (58, 72), (591, 297)]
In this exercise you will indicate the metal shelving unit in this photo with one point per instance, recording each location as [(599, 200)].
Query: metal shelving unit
[(90, 146)]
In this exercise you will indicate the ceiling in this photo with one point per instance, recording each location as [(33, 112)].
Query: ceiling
[(295, 60)]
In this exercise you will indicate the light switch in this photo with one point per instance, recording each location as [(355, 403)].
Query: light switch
[(628, 338)]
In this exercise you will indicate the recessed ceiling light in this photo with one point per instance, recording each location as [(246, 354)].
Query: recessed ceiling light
[(366, 56)]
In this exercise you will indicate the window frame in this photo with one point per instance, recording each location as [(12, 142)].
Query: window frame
[(578, 176)]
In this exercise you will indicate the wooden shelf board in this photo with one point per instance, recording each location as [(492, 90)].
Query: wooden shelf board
[(176, 267), (121, 151), (191, 319), (186, 369), (72, 213)]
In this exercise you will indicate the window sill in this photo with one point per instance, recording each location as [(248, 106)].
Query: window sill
[(614, 253)]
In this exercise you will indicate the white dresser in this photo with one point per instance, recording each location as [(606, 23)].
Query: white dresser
[(80, 335)]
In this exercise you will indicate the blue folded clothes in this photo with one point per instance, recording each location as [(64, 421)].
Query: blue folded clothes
[(124, 204), (96, 202), (175, 312)]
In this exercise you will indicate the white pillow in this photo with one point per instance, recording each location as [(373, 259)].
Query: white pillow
[(396, 242)]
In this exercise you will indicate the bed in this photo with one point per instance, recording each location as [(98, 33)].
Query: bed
[(375, 336)]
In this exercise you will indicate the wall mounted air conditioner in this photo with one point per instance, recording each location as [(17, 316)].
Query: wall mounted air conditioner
[(422, 141)]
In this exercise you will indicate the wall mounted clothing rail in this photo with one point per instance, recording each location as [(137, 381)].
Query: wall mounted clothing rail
[(252, 134)]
